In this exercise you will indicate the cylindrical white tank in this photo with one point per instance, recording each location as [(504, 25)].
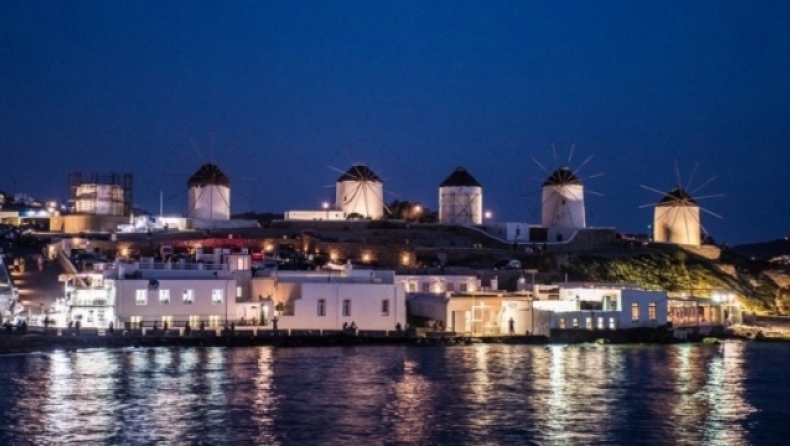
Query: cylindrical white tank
[(676, 219), (209, 194), (563, 200), (360, 191), (461, 199)]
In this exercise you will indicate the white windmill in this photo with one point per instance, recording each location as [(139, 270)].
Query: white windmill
[(461, 199), (209, 194), (359, 191), (562, 196), (208, 188), (676, 217)]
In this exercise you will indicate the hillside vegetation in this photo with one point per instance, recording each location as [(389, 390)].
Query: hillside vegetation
[(677, 271)]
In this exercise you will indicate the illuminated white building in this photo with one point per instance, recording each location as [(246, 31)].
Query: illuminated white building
[(359, 191), (563, 201), (461, 199), (676, 219), (209, 194), (307, 300)]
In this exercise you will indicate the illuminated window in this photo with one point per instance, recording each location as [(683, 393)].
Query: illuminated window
[(194, 321), (600, 323), (164, 297), (213, 321), (167, 320), (346, 307), (238, 292), (385, 307), (189, 296), (652, 312), (634, 312), (576, 322), (136, 321), (322, 307), (612, 324), (562, 323), (240, 264), (216, 297), (141, 297), (588, 323)]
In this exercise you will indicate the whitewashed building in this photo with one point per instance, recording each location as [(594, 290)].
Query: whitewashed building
[(676, 219), (563, 204), (461, 199), (209, 194), (308, 300), (360, 191), (438, 283)]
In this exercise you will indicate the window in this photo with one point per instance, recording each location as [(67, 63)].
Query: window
[(189, 296), (194, 321), (167, 320), (450, 286), (634, 312), (562, 323), (652, 312), (346, 307), (462, 287), (213, 321), (238, 292), (588, 323), (600, 323), (385, 307), (216, 297), (240, 264), (141, 297), (576, 322), (164, 297), (136, 322), (322, 307), (612, 324), (426, 287)]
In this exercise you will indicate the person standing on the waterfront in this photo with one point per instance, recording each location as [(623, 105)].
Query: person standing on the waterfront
[(511, 326)]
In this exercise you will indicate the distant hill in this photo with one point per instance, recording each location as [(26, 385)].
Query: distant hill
[(765, 250)]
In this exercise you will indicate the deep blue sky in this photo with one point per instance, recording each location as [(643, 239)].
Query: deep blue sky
[(412, 88)]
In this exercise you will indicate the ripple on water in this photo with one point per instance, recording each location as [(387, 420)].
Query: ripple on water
[(730, 394)]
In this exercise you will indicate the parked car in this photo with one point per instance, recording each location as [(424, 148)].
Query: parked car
[(507, 265)]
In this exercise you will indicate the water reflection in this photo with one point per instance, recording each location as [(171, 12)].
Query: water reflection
[(556, 395)]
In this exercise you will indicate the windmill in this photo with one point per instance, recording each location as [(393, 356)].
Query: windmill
[(461, 199), (360, 191), (562, 194), (208, 188), (676, 217)]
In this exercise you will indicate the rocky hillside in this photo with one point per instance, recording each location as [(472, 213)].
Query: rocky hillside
[(674, 269)]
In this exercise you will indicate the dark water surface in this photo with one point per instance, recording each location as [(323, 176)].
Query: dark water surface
[(730, 394)]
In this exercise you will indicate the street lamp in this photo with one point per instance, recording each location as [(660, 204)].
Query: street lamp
[(325, 207), (488, 215)]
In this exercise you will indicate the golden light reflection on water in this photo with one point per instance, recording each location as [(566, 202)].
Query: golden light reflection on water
[(506, 394)]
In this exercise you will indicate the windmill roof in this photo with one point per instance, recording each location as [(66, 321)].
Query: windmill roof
[(460, 178), (208, 175), (677, 197), (562, 176), (359, 172)]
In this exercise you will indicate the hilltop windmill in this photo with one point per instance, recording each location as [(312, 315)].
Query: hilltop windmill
[(461, 199), (562, 195), (208, 188), (676, 218), (360, 191)]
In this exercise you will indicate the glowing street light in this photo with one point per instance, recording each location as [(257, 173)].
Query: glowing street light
[(488, 215)]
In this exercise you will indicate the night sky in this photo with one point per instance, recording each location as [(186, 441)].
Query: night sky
[(414, 89)]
